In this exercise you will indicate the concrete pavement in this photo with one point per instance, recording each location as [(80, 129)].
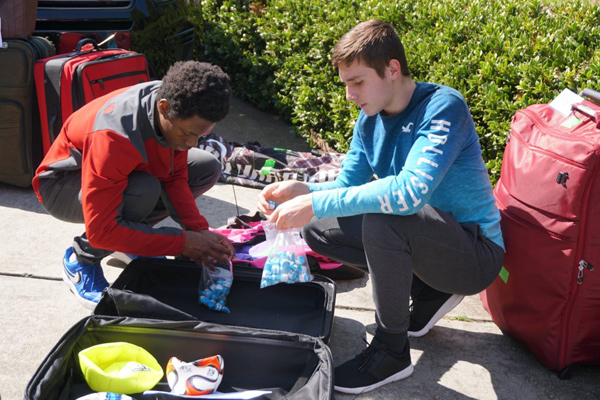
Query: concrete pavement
[(464, 357)]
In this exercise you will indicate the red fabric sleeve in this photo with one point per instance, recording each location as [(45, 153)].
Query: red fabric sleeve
[(108, 160)]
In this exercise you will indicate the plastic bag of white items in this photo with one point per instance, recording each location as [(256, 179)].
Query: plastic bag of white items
[(215, 286), (287, 261)]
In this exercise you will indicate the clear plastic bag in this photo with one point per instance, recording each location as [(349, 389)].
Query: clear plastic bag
[(286, 262), (215, 286)]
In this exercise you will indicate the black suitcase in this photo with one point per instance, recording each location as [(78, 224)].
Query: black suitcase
[(20, 134), (168, 289), (289, 365)]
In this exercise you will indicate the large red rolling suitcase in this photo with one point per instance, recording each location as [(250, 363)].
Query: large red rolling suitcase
[(66, 82), (548, 293)]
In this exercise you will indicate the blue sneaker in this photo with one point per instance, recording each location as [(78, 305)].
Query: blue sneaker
[(86, 281), (127, 258)]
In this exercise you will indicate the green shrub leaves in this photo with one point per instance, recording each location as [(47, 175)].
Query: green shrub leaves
[(501, 55)]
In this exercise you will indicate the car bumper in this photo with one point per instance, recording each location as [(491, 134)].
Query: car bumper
[(55, 16)]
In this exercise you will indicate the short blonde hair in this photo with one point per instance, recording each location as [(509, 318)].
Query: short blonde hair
[(374, 43)]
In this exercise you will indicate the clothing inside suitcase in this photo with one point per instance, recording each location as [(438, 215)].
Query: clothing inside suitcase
[(287, 364), (168, 289)]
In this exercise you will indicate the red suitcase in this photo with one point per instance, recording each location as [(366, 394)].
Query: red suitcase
[(548, 293), (66, 82)]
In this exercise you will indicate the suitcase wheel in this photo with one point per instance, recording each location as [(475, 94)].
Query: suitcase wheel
[(567, 372)]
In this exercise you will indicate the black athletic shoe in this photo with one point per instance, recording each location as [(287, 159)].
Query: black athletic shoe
[(374, 367), (426, 311)]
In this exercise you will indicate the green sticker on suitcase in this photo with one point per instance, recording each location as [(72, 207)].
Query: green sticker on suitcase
[(504, 274), (571, 122)]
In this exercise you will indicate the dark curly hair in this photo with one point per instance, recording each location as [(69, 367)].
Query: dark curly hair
[(196, 88)]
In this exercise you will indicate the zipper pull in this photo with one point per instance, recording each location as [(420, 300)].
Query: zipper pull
[(100, 81), (583, 264)]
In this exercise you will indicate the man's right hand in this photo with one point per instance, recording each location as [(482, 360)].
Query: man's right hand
[(280, 192), (207, 247)]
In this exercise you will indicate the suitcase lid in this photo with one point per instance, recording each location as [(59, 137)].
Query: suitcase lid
[(168, 290)]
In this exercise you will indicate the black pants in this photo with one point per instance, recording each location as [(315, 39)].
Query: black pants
[(144, 199), (441, 253)]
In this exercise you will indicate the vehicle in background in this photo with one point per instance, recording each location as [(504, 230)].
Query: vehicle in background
[(108, 16)]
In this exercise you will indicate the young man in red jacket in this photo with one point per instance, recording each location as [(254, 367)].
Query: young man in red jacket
[(127, 160)]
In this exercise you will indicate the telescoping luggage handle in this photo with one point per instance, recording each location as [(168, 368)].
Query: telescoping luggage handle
[(592, 95), (83, 42), (96, 46)]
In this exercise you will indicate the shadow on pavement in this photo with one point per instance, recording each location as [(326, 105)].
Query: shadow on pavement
[(19, 198)]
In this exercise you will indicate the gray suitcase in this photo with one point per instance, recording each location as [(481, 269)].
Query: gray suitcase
[(20, 132)]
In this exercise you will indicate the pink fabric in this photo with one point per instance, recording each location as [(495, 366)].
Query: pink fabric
[(244, 235)]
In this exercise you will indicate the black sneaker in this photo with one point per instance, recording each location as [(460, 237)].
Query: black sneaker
[(427, 311), (374, 367)]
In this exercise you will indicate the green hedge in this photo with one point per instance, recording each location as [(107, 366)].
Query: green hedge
[(501, 55)]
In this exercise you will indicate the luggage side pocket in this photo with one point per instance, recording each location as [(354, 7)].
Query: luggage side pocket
[(14, 157)]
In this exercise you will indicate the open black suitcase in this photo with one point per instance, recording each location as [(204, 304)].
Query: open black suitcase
[(290, 365), (274, 339)]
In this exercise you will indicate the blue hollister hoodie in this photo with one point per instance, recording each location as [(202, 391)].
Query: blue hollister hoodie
[(427, 154)]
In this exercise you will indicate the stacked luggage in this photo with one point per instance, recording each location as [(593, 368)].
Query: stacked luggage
[(39, 90), (20, 134)]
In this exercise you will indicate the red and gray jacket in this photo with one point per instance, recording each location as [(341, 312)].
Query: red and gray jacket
[(108, 139)]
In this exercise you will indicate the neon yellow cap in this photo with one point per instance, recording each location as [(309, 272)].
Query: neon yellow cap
[(119, 367)]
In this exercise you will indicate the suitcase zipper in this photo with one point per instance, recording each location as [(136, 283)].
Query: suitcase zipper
[(78, 96), (583, 264), (123, 75)]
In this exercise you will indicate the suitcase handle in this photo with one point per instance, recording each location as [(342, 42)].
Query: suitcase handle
[(85, 41), (590, 94), (595, 97)]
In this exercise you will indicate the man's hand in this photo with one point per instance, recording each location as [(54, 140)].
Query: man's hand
[(279, 193), (294, 213), (207, 247)]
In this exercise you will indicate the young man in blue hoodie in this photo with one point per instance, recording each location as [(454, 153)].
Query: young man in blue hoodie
[(427, 227)]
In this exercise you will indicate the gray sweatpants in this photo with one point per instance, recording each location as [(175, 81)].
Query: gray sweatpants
[(144, 199), (441, 253)]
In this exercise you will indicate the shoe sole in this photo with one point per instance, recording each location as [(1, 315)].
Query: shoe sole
[(448, 306), (86, 303), (405, 373)]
